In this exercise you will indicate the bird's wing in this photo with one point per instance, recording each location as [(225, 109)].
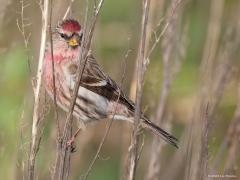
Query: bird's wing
[(95, 80)]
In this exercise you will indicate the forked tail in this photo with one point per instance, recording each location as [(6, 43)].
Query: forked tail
[(160, 132)]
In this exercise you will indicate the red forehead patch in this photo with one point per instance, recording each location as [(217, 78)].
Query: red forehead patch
[(71, 25)]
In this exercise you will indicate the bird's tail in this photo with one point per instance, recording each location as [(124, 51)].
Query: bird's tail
[(159, 131)]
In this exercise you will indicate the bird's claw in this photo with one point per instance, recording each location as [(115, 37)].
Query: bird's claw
[(71, 145)]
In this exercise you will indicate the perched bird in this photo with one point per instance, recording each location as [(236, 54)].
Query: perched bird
[(99, 97)]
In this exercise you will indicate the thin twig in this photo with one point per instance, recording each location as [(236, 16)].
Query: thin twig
[(54, 91), (22, 148), (158, 37), (203, 162), (206, 95), (22, 28), (108, 127), (53, 70), (133, 154), (229, 52), (21, 24), (233, 141), (169, 40), (36, 126), (68, 9), (109, 123), (125, 127)]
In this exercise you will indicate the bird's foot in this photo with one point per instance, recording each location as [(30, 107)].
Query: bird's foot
[(71, 145)]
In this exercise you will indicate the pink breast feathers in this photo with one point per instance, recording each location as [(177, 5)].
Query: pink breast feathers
[(57, 57)]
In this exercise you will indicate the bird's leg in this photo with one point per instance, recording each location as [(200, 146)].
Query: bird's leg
[(71, 141)]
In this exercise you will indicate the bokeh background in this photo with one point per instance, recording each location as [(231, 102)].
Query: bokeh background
[(117, 31)]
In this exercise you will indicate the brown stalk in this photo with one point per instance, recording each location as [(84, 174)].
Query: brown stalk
[(175, 165), (160, 35), (21, 24), (231, 140), (203, 162), (133, 154), (54, 90), (108, 126), (168, 49), (107, 130), (22, 27), (233, 143), (211, 88), (36, 125), (226, 56), (64, 162), (68, 9), (156, 6), (229, 52), (124, 128)]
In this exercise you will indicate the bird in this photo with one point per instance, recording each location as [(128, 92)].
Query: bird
[(99, 97)]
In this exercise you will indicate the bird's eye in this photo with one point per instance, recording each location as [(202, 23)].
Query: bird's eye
[(64, 36)]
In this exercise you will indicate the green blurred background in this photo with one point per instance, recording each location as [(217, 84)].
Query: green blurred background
[(117, 30)]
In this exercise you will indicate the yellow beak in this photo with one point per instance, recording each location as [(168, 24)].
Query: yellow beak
[(73, 42)]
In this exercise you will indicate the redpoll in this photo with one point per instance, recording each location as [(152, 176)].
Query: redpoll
[(98, 95)]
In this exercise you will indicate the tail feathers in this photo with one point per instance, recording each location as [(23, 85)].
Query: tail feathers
[(160, 132)]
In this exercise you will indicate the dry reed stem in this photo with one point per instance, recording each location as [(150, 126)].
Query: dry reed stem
[(133, 154), (107, 130), (68, 9), (203, 161), (22, 28), (36, 125), (54, 89), (209, 53), (168, 49), (176, 162), (212, 87), (22, 148), (155, 5), (229, 53), (160, 35), (233, 142), (22, 24), (108, 125)]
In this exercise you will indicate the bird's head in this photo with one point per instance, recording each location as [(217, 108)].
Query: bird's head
[(70, 31)]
